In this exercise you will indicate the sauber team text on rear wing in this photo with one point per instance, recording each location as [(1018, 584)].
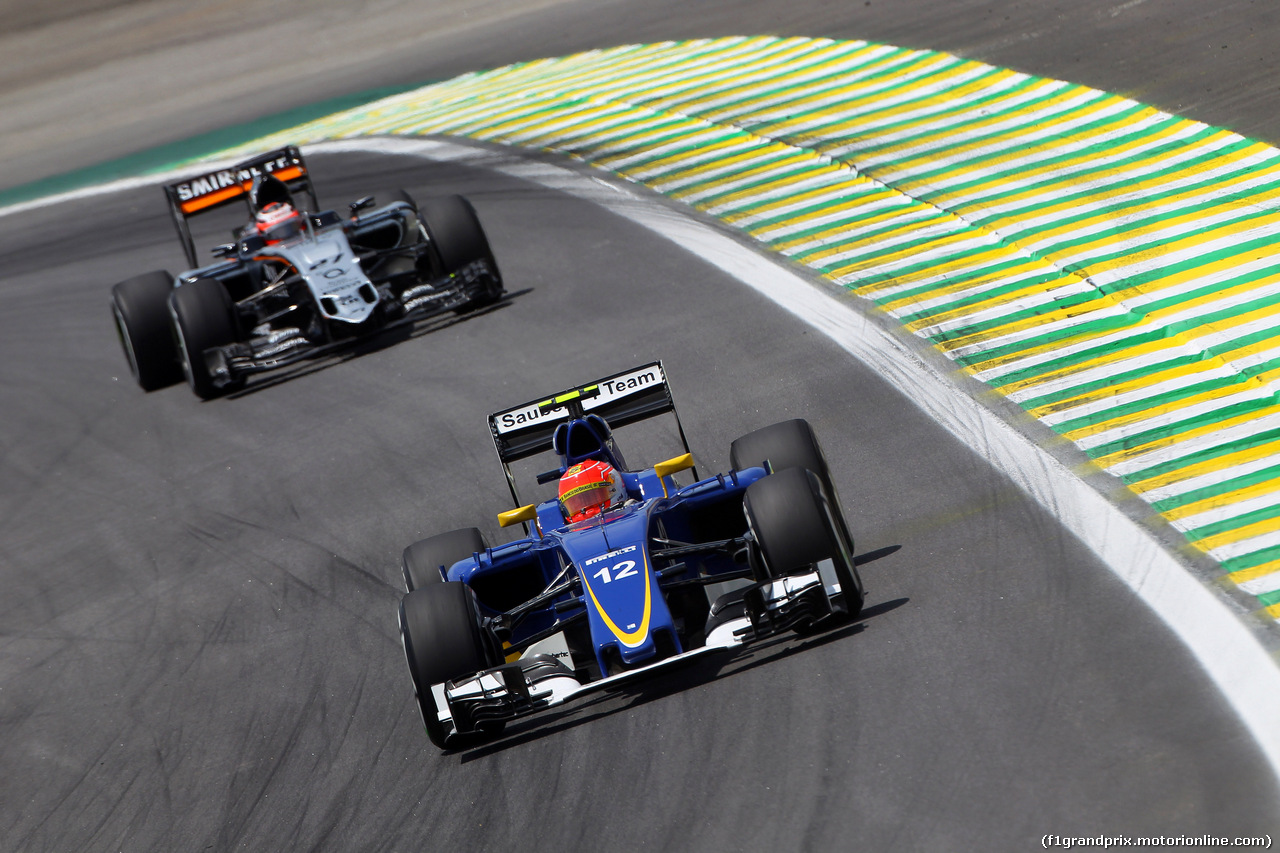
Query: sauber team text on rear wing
[(211, 190), (623, 398)]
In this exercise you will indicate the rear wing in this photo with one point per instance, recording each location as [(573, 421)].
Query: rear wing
[(621, 399), (211, 190)]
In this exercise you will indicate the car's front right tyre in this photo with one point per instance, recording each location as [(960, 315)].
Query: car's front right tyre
[(443, 640), (140, 308)]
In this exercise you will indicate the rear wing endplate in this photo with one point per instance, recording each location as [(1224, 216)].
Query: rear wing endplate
[(214, 189), (623, 398)]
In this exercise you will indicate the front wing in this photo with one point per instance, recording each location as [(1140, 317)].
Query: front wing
[(539, 681), (280, 348)]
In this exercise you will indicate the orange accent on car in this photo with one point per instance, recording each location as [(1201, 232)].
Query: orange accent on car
[(215, 198)]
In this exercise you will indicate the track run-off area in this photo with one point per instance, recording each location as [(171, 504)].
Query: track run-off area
[(1110, 268)]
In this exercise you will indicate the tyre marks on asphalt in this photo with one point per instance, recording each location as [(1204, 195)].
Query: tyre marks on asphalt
[(1110, 268)]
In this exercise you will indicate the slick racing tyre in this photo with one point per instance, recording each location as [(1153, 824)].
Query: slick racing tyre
[(459, 239), (795, 527), (399, 194), (422, 560), (790, 444), (140, 307), (203, 317), (443, 640)]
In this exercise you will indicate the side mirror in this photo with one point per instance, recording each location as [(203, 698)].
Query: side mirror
[(224, 250), (672, 466), (515, 516), (361, 204)]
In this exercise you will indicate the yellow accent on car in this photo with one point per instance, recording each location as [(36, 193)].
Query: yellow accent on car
[(668, 467), (673, 466), (631, 639), (564, 398), (515, 516)]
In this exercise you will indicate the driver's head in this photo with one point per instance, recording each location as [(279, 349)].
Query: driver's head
[(589, 488), (268, 190), (272, 203), (273, 214)]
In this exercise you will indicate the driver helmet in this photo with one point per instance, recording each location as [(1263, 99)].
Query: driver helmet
[(272, 214), (589, 488)]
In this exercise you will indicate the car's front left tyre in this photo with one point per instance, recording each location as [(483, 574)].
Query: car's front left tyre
[(203, 317), (795, 527), (791, 444), (140, 308)]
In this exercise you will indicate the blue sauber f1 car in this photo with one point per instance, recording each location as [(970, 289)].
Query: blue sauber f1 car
[(611, 579)]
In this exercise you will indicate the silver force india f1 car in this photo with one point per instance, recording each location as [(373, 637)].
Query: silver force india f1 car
[(610, 580), (297, 281)]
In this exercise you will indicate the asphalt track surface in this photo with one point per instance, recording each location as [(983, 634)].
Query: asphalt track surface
[(199, 645)]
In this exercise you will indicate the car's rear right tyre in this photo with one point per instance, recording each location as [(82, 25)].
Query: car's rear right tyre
[(422, 560), (203, 317), (140, 307), (443, 640)]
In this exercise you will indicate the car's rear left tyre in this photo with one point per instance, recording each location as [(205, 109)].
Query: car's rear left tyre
[(140, 307), (443, 640), (789, 444), (459, 239), (203, 317), (794, 526), (422, 560)]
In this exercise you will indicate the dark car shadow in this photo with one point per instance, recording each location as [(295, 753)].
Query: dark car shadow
[(691, 675), (879, 553), (371, 344)]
